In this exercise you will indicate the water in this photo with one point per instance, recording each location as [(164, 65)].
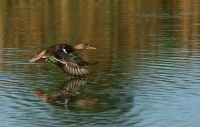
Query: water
[(148, 63)]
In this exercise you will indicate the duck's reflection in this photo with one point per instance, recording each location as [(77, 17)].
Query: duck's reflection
[(63, 94)]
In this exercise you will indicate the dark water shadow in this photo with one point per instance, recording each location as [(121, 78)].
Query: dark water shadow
[(63, 94)]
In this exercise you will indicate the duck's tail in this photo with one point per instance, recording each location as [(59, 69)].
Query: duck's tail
[(38, 57)]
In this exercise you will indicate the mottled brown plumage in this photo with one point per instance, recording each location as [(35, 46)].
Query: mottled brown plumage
[(62, 56)]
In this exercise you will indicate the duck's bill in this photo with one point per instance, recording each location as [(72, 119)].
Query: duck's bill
[(90, 47)]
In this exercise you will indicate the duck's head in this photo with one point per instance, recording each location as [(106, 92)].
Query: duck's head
[(83, 46)]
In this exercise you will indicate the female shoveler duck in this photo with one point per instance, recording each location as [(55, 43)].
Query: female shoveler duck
[(62, 56)]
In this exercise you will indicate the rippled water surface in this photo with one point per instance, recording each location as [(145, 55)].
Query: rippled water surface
[(148, 71)]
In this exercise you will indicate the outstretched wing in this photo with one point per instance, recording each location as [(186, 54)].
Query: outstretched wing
[(67, 64), (76, 59), (38, 57)]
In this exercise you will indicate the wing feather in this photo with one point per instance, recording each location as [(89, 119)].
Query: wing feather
[(37, 57), (68, 67)]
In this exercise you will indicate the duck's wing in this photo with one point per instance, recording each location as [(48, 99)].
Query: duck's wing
[(76, 59), (67, 64), (44, 54), (38, 57)]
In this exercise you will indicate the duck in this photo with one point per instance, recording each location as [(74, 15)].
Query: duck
[(64, 57)]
